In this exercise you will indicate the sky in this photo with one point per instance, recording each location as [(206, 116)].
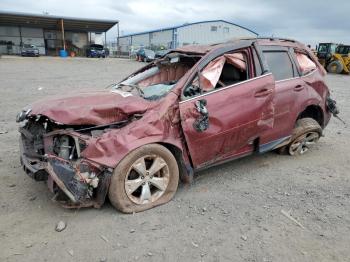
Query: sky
[(308, 21)]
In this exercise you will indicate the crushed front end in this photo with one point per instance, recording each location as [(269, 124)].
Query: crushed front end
[(52, 152)]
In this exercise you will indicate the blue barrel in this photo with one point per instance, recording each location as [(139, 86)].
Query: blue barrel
[(63, 53)]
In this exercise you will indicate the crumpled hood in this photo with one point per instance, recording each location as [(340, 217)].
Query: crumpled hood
[(93, 108)]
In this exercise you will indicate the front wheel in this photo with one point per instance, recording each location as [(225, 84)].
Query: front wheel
[(304, 136), (145, 178), (335, 67)]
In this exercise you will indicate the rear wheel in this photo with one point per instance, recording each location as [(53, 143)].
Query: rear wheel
[(145, 178), (305, 134), (335, 67)]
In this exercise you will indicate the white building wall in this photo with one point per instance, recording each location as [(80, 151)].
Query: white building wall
[(124, 43), (161, 39), (80, 40), (209, 33), (140, 40)]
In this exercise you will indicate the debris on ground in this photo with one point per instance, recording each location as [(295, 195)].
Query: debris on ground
[(288, 215), (194, 244), (32, 198), (104, 238), (132, 230), (2, 132), (243, 237), (60, 226), (71, 252), (12, 185)]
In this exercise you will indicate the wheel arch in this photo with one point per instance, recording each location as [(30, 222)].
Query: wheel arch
[(313, 111), (185, 168)]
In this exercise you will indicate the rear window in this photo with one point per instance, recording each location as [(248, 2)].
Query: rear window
[(306, 65), (280, 64)]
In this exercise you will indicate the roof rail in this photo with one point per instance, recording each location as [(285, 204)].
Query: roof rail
[(271, 38)]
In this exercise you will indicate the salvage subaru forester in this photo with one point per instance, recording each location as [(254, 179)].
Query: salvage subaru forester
[(195, 107)]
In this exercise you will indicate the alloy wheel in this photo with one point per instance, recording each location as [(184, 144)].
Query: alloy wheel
[(147, 179)]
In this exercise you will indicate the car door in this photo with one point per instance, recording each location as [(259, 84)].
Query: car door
[(224, 123), (290, 90)]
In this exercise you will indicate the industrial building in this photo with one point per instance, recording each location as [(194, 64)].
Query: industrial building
[(205, 32), (49, 33)]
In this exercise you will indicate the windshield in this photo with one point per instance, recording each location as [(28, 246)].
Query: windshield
[(323, 48), (158, 79), (98, 47), (29, 46), (343, 50)]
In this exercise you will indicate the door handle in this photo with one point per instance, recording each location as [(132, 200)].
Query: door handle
[(298, 88), (263, 92)]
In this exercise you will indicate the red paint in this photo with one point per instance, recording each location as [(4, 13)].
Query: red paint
[(259, 109), (95, 108)]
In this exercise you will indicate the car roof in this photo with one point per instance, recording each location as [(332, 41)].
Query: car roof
[(203, 49)]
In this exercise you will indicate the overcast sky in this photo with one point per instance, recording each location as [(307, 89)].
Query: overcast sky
[(305, 20)]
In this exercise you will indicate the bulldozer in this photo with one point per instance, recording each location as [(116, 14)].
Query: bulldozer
[(334, 57)]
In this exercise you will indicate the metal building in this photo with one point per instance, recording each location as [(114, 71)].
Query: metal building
[(205, 32), (48, 33)]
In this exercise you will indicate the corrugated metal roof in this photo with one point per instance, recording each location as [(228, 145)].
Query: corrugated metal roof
[(187, 24), (52, 22)]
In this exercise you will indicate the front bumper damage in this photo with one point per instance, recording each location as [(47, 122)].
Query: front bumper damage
[(84, 185), (76, 183)]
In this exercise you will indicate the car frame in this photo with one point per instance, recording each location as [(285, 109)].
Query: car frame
[(135, 150)]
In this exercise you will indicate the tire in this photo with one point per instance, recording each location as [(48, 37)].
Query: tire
[(135, 191), (306, 133), (335, 67)]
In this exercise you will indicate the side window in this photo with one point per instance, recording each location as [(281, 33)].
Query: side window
[(280, 64), (305, 63), (225, 70)]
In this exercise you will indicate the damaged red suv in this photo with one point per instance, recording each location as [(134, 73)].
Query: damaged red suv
[(196, 107)]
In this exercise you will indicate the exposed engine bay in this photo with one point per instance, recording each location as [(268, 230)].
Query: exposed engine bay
[(53, 153)]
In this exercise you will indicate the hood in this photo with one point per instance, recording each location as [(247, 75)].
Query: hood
[(93, 108)]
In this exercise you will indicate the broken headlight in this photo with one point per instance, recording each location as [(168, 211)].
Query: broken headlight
[(22, 115)]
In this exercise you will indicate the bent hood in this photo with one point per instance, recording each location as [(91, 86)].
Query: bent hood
[(93, 108)]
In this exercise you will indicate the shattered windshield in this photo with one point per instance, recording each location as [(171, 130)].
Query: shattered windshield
[(157, 80)]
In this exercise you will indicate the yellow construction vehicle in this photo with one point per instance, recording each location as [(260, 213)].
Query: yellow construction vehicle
[(340, 61), (325, 52)]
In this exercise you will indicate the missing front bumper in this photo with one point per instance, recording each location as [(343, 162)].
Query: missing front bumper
[(70, 180)]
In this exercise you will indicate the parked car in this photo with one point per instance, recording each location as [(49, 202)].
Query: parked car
[(96, 50), (196, 107), (29, 50), (161, 53), (145, 55)]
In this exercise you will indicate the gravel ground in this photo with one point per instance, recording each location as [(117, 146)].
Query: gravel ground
[(231, 213)]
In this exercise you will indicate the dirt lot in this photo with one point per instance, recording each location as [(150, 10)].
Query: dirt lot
[(231, 213)]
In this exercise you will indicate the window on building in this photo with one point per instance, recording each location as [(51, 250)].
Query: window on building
[(214, 28), (226, 30)]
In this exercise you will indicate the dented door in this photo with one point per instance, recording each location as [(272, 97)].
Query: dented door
[(224, 123)]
